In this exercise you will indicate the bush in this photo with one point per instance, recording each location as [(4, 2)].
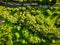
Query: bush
[(29, 26)]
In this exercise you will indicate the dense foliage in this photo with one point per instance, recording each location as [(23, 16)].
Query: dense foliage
[(29, 25)]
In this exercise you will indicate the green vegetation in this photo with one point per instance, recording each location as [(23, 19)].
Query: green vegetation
[(29, 25), (46, 2), (58, 1)]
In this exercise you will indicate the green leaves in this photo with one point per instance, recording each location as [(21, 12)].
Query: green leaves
[(17, 35), (28, 25), (20, 0), (18, 28), (12, 19), (25, 33), (58, 21), (34, 39), (24, 41), (10, 42)]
